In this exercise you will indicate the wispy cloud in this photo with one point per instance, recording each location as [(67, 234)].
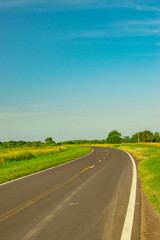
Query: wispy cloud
[(134, 22), (146, 27), (18, 3), (131, 28), (143, 5), (114, 33), (33, 110), (143, 55)]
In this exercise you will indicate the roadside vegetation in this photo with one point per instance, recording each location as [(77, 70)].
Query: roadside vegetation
[(17, 162), (148, 155), (26, 153), (116, 137), (20, 158)]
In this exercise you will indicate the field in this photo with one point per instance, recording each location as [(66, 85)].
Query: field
[(148, 168), (24, 153), (18, 162), (148, 156)]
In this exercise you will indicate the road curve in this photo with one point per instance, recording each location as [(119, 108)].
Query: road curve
[(85, 199)]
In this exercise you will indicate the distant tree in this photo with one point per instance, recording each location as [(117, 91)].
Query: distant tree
[(126, 139), (29, 144), (37, 144), (49, 140), (20, 143), (113, 133), (134, 138), (145, 136), (114, 137), (156, 137), (69, 142), (94, 141), (59, 143), (11, 144)]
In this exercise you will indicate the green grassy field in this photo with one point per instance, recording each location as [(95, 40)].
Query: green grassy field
[(13, 169), (148, 169), (26, 153)]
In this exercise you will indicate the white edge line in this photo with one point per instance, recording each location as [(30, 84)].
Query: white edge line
[(128, 223), (29, 175)]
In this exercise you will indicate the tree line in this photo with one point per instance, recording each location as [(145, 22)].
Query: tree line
[(12, 144), (112, 137), (144, 136), (116, 137)]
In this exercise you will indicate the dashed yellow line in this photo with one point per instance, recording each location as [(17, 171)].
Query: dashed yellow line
[(35, 199), (85, 169), (39, 197)]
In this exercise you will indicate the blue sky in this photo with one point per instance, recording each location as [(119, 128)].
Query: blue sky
[(78, 69)]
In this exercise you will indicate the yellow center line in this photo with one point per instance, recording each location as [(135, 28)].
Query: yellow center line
[(19, 208), (85, 169)]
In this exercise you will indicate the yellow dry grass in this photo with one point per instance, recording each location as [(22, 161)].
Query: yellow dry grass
[(136, 152), (152, 144), (18, 154)]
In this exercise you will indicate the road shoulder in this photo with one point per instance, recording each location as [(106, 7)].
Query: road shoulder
[(150, 220)]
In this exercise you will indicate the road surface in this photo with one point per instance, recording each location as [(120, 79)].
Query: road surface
[(86, 199)]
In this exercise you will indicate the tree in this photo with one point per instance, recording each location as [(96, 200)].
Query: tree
[(20, 143), (126, 139), (49, 140), (145, 136), (114, 137)]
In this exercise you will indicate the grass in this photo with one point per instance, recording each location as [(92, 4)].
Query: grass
[(148, 169), (23, 153), (14, 169)]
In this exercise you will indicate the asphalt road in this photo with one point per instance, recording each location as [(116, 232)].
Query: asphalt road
[(86, 199)]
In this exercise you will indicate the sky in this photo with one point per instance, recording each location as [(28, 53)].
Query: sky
[(78, 69)]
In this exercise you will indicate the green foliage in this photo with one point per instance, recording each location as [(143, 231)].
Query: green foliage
[(126, 139), (114, 133), (16, 169), (21, 153), (114, 137), (145, 136), (148, 168), (156, 137), (49, 140), (36, 144), (83, 141), (14, 144)]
